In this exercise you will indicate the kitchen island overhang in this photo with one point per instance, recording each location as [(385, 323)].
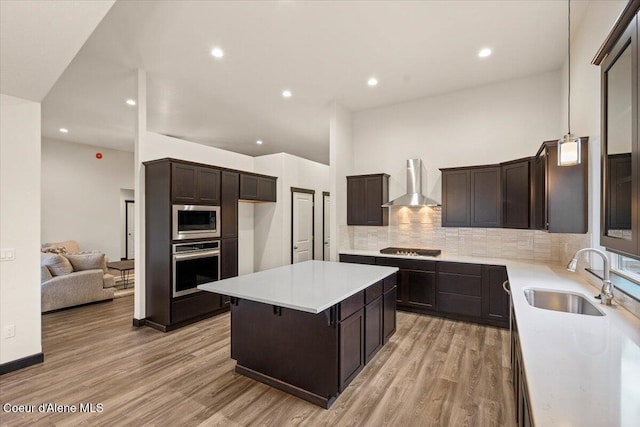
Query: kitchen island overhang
[(309, 328)]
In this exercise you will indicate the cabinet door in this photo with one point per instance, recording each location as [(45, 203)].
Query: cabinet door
[(266, 189), (540, 191), (515, 195), (248, 187), (420, 288), (229, 208), (389, 314), (456, 203), (351, 337), (228, 258), (486, 207), (208, 184), (495, 301), (373, 200), (356, 201), (373, 328), (357, 259), (183, 183)]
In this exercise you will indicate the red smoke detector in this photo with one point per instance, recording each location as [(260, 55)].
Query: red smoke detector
[(98, 155)]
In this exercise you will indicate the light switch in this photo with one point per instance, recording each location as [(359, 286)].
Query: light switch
[(7, 254)]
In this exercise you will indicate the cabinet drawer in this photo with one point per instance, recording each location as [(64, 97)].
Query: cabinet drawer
[(390, 282), (407, 264), (351, 305), (459, 284), (372, 292), (194, 305), (460, 268), (459, 304), (357, 259)]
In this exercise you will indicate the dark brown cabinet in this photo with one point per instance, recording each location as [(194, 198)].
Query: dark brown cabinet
[(516, 194), (471, 197), (495, 300), (351, 344), (257, 188), (620, 158), (195, 184), (365, 196), (456, 201), (373, 328), (229, 208), (561, 192), (461, 291), (519, 380), (389, 313)]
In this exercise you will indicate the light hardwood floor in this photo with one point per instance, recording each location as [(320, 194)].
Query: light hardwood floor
[(433, 372)]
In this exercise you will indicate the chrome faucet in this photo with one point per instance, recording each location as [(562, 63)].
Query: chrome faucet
[(606, 293)]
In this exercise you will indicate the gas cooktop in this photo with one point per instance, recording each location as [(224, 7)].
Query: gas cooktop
[(411, 251)]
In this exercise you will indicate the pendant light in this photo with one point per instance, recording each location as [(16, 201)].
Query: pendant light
[(569, 146)]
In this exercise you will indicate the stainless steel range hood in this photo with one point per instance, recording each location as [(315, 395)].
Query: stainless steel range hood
[(413, 196)]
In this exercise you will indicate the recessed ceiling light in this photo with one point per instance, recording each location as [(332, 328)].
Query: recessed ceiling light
[(259, 142), (484, 52), (372, 81), (64, 130), (131, 102), (286, 93), (216, 52)]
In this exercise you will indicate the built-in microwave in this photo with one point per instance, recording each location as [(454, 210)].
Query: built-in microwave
[(196, 222)]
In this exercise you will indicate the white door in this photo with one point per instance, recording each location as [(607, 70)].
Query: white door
[(131, 229), (327, 228), (302, 227)]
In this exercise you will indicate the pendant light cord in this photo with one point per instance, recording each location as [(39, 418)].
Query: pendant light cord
[(569, 70)]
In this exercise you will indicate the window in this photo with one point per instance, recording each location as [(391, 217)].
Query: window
[(627, 267)]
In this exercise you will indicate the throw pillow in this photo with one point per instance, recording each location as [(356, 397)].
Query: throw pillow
[(55, 250), (45, 274), (90, 261), (57, 264)]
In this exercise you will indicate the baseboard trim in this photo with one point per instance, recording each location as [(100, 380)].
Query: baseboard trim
[(138, 323), (25, 362)]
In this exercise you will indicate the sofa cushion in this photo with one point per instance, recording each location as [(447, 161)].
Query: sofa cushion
[(87, 261), (57, 264), (45, 274), (70, 246)]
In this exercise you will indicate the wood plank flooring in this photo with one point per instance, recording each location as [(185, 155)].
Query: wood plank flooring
[(433, 372)]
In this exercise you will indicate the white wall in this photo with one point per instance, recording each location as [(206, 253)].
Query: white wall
[(81, 195), (341, 162), (20, 226), (273, 221), (483, 125)]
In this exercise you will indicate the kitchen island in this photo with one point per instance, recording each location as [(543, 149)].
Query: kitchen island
[(309, 328)]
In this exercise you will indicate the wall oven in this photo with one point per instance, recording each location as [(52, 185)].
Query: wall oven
[(196, 222), (194, 264)]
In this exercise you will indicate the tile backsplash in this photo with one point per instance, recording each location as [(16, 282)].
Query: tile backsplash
[(421, 227)]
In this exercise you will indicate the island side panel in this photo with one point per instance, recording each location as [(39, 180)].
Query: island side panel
[(287, 349)]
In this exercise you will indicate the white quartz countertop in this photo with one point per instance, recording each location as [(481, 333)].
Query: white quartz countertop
[(311, 286), (581, 370)]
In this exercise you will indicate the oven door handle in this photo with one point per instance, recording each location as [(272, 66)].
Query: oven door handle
[(196, 255)]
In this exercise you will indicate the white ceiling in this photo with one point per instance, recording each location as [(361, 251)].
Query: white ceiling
[(320, 50), (38, 39)]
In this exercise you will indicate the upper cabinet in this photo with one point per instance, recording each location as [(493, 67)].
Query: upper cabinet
[(620, 77), (257, 188), (365, 196), (192, 184), (561, 192), (471, 197), (516, 193)]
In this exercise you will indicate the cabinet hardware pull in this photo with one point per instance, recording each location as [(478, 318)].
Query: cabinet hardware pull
[(506, 289)]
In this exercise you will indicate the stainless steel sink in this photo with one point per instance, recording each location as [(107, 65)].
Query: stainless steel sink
[(561, 301)]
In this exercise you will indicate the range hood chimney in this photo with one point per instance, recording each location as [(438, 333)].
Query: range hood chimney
[(413, 196)]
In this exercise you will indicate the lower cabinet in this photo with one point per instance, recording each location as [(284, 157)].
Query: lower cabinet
[(366, 321), (519, 380), (191, 306), (461, 291)]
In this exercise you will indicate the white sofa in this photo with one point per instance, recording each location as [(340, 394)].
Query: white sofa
[(70, 277)]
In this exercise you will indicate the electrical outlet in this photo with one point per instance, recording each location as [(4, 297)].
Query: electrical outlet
[(9, 331), (7, 254)]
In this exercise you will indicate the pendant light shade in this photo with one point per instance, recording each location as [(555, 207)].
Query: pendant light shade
[(569, 146), (569, 151)]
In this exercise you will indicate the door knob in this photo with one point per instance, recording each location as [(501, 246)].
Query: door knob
[(295, 247)]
